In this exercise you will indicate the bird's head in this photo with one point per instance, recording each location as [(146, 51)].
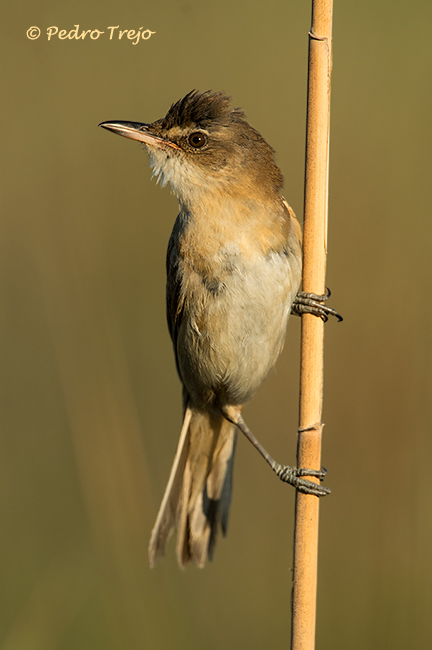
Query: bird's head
[(204, 145)]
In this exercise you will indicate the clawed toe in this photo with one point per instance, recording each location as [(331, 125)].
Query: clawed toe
[(311, 303), (292, 475), (319, 473), (309, 487)]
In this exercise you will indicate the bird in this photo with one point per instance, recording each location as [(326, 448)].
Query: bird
[(234, 265)]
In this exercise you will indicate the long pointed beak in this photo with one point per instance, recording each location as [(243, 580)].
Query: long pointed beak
[(139, 132)]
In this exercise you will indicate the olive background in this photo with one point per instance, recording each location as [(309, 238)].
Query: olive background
[(90, 400)]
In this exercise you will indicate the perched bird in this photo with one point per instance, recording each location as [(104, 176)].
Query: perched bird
[(233, 275)]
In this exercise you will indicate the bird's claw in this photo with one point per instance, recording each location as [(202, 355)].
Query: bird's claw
[(293, 476), (311, 303)]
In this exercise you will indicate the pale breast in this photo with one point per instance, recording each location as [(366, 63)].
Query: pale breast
[(235, 270), (233, 325)]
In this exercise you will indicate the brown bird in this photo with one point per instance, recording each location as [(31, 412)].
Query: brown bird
[(234, 270)]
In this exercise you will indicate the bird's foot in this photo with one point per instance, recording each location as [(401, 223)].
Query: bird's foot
[(293, 476), (311, 303)]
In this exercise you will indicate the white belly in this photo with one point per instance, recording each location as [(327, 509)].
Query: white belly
[(232, 332)]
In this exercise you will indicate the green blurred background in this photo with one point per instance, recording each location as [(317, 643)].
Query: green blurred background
[(90, 400)]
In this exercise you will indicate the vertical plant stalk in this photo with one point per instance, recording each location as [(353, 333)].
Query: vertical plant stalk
[(312, 331)]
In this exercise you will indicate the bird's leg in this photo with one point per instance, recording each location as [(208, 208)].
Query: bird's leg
[(287, 474), (310, 303)]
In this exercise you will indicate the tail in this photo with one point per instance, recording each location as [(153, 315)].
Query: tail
[(198, 494)]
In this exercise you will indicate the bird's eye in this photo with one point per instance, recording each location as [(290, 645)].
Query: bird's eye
[(197, 139)]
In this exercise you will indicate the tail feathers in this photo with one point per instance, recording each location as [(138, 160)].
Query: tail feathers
[(167, 515), (211, 508), (198, 494)]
